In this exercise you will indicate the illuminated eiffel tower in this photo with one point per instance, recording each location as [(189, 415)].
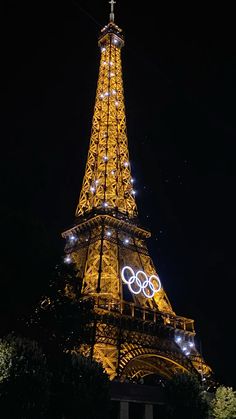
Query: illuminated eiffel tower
[(136, 331)]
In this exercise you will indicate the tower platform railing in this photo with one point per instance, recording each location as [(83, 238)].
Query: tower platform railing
[(130, 309)]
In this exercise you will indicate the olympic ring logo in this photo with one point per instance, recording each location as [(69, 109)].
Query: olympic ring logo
[(139, 282)]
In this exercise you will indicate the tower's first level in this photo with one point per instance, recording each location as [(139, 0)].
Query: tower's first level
[(132, 330)]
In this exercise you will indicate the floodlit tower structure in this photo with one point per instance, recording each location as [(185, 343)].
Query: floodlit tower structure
[(135, 331)]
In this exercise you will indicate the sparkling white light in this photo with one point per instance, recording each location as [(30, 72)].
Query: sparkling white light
[(67, 259), (72, 238)]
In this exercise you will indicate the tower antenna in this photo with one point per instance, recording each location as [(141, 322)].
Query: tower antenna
[(112, 17)]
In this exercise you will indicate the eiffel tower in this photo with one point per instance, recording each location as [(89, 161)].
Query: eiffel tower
[(136, 332)]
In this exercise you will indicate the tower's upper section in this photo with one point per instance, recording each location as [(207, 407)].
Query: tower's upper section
[(108, 184)]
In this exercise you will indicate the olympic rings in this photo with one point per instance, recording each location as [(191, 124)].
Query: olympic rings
[(140, 282)]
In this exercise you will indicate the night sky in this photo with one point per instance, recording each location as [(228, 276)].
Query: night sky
[(179, 66)]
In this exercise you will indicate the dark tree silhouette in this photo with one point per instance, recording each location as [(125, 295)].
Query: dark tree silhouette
[(185, 398), (61, 320), (81, 389), (24, 379)]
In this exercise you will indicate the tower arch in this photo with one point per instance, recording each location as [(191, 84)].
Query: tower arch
[(154, 362)]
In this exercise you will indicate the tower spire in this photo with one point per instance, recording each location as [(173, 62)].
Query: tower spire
[(112, 17), (108, 183)]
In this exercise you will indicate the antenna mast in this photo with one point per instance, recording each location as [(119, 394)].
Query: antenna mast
[(112, 17)]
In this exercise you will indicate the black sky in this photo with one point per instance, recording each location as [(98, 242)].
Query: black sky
[(179, 67)]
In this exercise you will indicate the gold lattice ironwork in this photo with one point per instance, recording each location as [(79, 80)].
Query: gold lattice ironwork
[(107, 182), (132, 335)]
